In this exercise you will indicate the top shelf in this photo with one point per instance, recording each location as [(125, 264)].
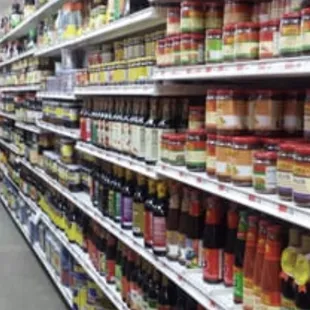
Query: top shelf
[(144, 19), (23, 28)]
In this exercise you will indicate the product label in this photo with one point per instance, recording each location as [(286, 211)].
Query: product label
[(265, 178), (301, 180), (159, 233), (172, 244), (213, 50), (148, 227), (125, 140), (117, 205), (270, 300), (248, 294), (111, 203), (228, 268), (140, 141), (241, 168), (269, 44), (126, 211), (238, 283), (290, 39), (118, 277), (160, 133), (211, 113), (151, 144), (223, 161), (213, 261), (138, 217), (193, 21), (110, 270), (287, 304)]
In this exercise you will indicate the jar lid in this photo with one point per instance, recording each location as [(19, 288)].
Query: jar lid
[(195, 3), (305, 11), (213, 31), (291, 15), (274, 22), (243, 25), (213, 91), (197, 36), (198, 132), (245, 140), (196, 108), (166, 136), (273, 141), (223, 91), (229, 27), (211, 136), (224, 138), (186, 35), (287, 147), (274, 229), (302, 149), (178, 137), (266, 155)]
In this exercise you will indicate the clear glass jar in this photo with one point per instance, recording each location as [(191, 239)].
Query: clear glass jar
[(228, 42), (192, 16), (305, 31), (176, 147), (211, 155), (223, 158), (173, 20), (213, 46), (195, 150), (196, 117), (214, 14), (210, 109), (269, 39), (192, 49)]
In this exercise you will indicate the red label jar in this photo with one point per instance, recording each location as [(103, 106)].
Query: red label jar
[(192, 16), (228, 42), (214, 14), (211, 116), (195, 150), (192, 49), (305, 31), (196, 118), (176, 149), (173, 20), (211, 155), (223, 158), (269, 39)]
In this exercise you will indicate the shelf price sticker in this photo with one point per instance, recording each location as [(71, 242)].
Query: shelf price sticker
[(285, 209), (212, 304)]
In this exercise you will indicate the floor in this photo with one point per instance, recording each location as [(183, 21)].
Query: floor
[(25, 285)]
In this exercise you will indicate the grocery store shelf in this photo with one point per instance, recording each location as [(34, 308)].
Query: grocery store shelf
[(121, 160), (269, 204), (10, 146), (28, 127), (54, 95), (17, 58), (148, 89), (59, 130), (19, 89), (31, 22), (282, 67), (213, 297), (65, 292), (11, 116), (144, 19)]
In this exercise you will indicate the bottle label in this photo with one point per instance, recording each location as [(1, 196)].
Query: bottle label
[(125, 138), (140, 141), (138, 222), (248, 294), (151, 144), (159, 233), (148, 227), (88, 126), (117, 207), (127, 211), (172, 244), (111, 203), (228, 268), (102, 263), (160, 133), (110, 271), (213, 262), (133, 140), (152, 304), (238, 283), (270, 300), (287, 304), (193, 254), (118, 135), (118, 277)]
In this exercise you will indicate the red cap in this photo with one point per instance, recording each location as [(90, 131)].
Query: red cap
[(199, 132), (266, 155), (211, 136), (224, 138), (245, 140), (291, 15), (288, 147), (305, 11), (302, 149), (197, 108), (213, 31)]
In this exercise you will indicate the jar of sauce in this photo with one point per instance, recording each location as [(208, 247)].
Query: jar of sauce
[(67, 150), (195, 150), (173, 20), (223, 158), (301, 176), (192, 49), (307, 116), (242, 159), (265, 172), (211, 155), (164, 145), (228, 42), (213, 46), (269, 39), (176, 49), (192, 16), (176, 147), (214, 14), (196, 118), (305, 31), (237, 11), (210, 109)]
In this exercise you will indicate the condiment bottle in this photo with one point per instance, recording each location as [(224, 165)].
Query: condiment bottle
[(110, 259), (163, 296), (213, 241), (118, 185), (130, 266), (249, 255), (288, 261), (258, 262), (118, 266), (124, 283), (229, 255), (270, 281), (127, 200), (133, 285), (239, 256), (159, 225), (301, 275)]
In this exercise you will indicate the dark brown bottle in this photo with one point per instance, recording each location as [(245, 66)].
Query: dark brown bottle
[(110, 258), (133, 123), (139, 198), (153, 290), (163, 296), (139, 134), (125, 141)]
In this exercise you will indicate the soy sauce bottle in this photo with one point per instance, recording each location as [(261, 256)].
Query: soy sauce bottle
[(138, 207)]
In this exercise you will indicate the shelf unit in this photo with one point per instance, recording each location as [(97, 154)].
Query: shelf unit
[(19, 89), (17, 58), (145, 19), (10, 146), (65, 292), (60, 96), (28, 127), (11, 116), (62, 131), (213, 296)]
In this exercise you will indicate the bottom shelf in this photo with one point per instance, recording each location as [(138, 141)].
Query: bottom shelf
[(65, 292)]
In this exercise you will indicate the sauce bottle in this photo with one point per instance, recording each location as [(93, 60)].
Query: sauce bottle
[(301, 274), (124, 284), (183, 224), (118, 267), (134, 129), (110, 259), (288, 261), (163, 296), (271, 282), (112, 188), (118, 185), (83, 114), (88, 121), (127, 200), (131, 258), (138, 207), (173, 220), (147, 277), (249, 255), (140, 130), (133, 286), (213, 241), (239, 256), (229, 255), (159, 225), (148, 213), (101, 245)]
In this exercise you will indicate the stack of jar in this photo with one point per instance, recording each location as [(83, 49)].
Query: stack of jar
[(239, 137), (233, 30), (126, 61)]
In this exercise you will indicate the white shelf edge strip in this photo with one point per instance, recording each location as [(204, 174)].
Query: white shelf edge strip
[(26, 22), (65, 292), (17, 58), (20, 88), (52, 95), (63, 131), (121, 160), (8, 115), (208, 295), (10, 146), (28, 127)]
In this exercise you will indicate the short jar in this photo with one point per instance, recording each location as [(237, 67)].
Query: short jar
[(223, 158), (173, 20), (214, 14), (265, 172), (195, 150), (228, 42), (242, 159), (269, 39), (176, 149), (176, 50), (210, 110), (196, 117), (211, 155), (305, 31), (213, 46), (192, 16), (192, 49), (164, 147)]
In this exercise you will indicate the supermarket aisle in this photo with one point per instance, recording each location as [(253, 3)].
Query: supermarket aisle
[(24, 284)]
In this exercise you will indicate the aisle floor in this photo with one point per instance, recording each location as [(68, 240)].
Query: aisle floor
[(25, 285)]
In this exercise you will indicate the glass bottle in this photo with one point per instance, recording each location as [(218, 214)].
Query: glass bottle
[(125, 128), (138, 207), (133, 129), (127, 200), (119, 182)]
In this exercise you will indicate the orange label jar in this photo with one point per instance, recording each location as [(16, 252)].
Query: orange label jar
[(237, 11), (211, 155), (223, 158), (214, 14), (195, 150), (228, 42), (192, 49), (231, 110), (268, 111), (173, 20), (192, 16), (242, 160), (269, 39), (210, 109), (196, 118)]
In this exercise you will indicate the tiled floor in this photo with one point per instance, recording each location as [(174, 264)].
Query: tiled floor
[(24, 285)]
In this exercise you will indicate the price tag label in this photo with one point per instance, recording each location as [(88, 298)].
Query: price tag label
[(208, 69), (212, 304), (181, 173), (240, 67), (252, 197), (188, 70), (285, 209), (199, 179), (221, 187)]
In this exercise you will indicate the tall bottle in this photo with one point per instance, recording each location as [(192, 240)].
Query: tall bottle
[(159, 225), (249, 256), (112, 124), (140, 129), (148, 213), (213, 241), (109, 124), (104, 124), (151, 133), (138, 207), (229, 254), (271, 282), (118, 266), (133, 129), (258, 262), (118, 124), (163, 296), (88, 121), (111, 258), (83, 114), (127, 200), (182, 115), (125, 128), (302, 275), (104, 190), (94, 123), (112, 184), (288, 262), (239, 257), (133, 285), (118, 194), (101, 123)]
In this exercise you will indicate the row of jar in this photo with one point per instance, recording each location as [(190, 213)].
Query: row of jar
[(196, 16), (237, 42), (269, 165)]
